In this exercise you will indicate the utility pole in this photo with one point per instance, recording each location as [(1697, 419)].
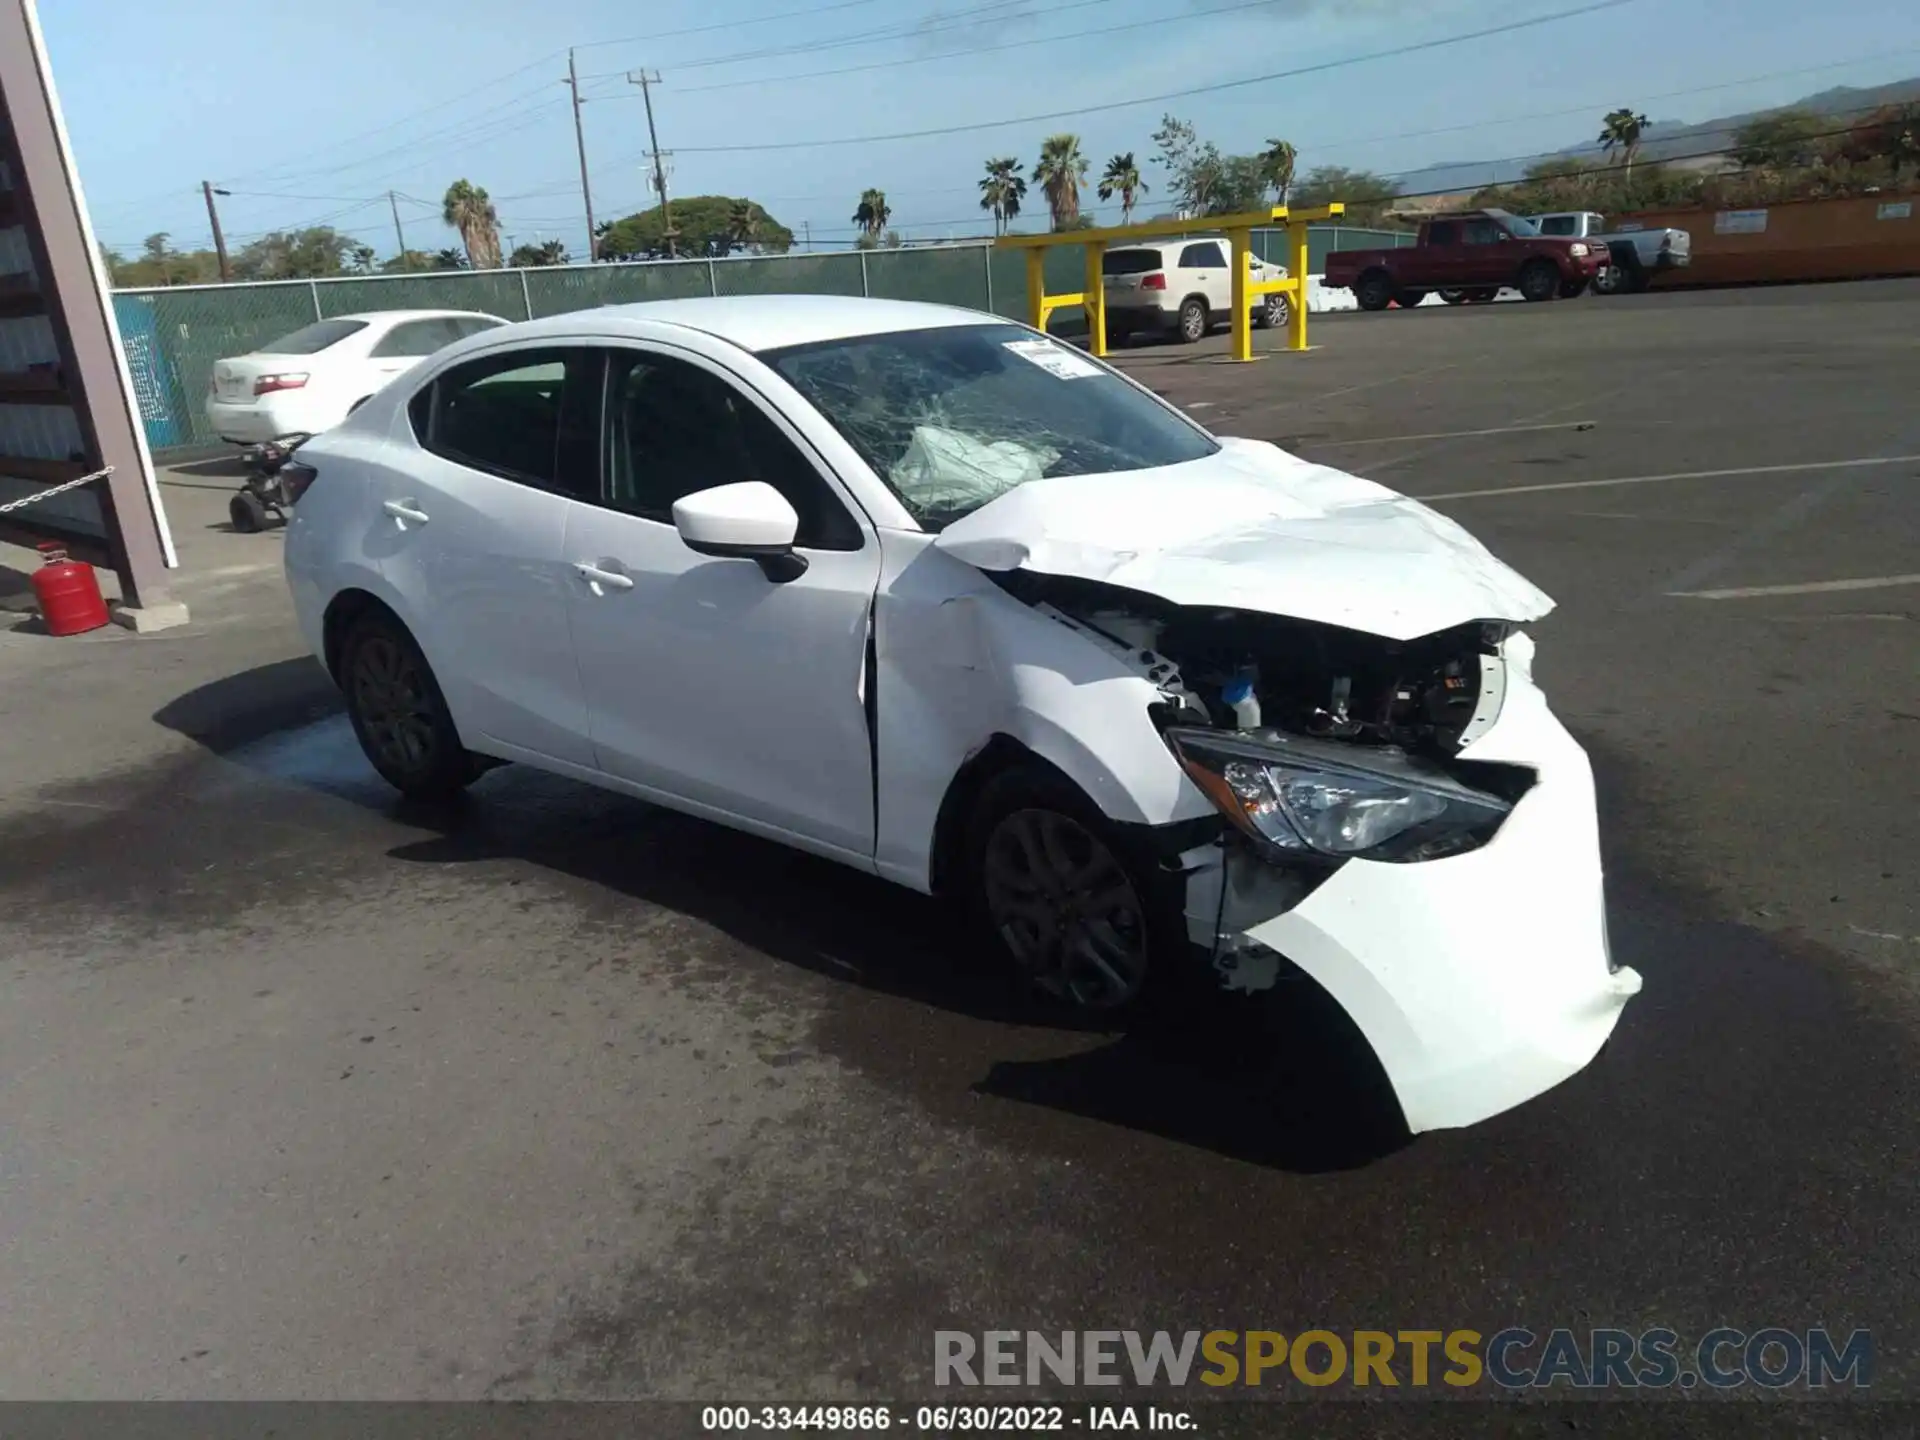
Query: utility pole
[(219, 240), (399, 235), (807, 226), (580, 140), (646, 81)]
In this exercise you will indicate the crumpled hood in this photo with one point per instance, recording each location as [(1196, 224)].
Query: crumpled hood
[(1253, 528)]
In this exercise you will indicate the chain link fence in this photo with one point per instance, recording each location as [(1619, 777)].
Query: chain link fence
[(183, 331)]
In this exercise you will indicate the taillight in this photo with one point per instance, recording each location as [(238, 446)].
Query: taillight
[(295, 478), (267, 384), (1155, 281)]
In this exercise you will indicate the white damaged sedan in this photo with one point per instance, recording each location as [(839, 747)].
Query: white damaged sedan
[(935, 596)]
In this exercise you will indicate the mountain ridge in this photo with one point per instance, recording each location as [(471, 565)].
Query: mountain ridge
[(1663, 139)]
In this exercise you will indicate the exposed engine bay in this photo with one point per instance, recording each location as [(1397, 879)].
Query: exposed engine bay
[(1238, 670)]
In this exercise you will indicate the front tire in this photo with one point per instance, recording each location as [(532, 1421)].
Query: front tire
[(1053, 884), (399, 715), (1539, 280)]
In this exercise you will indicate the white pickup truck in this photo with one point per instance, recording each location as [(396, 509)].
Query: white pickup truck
[(1638, 253)]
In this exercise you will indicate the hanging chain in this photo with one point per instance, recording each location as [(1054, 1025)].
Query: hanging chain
[(22, 503)]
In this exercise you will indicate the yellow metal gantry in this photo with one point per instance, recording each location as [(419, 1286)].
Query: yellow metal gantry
[(1239, 231)]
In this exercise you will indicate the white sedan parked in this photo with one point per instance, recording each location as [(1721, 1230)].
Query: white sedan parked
[(310, 380), (935, 596)]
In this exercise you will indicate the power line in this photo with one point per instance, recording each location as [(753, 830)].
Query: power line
[(972, 18), (468, 94), (1157, 20), (805, 10), (1413, 48)]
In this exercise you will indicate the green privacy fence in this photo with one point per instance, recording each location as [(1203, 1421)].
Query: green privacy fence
[(192, 326)]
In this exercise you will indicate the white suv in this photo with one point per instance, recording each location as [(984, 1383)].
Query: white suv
[(1181, 287)]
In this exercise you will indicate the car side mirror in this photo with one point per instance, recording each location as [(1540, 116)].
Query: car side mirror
[(748, 521)]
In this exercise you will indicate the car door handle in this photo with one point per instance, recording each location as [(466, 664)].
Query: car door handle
[(596, 577), (406, 511)]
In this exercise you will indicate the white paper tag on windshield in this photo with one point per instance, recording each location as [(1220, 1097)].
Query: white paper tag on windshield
[(1054, 359)]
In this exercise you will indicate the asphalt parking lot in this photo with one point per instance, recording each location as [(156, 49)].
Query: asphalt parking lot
[(307, 1095)]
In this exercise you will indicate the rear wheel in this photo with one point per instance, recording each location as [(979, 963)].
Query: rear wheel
[(1052, 881), (398, 713), (1271, 313), (247, 512), (1453, 297), (1192, 322), (1538, 281), (1374, 290)]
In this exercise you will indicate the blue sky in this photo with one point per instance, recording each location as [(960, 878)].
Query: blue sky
[(310, 114)]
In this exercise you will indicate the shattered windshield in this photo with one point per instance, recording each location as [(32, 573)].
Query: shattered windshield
[(953, 417)]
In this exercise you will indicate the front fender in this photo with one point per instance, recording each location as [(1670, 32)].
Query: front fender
[(958, 662)]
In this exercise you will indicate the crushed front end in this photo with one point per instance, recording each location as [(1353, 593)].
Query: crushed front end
[(1406, 822)]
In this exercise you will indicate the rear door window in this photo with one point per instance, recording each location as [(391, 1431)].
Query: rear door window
[(526, 415), (1204, 256), (413, 338), (1443, 232), (312, 339)]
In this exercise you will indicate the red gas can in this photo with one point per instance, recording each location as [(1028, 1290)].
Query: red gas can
[(69, 593)]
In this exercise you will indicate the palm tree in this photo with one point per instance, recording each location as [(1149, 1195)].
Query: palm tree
[(1621, 130), (1276, 165), (1002, 191), (743, 222), (467, 209), (873, 213), (1058, 172), (1122, 178)]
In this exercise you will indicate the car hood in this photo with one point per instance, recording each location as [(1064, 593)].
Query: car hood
[(1253, 528)]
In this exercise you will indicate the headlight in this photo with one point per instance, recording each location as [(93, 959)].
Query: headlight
[(1304, 797), (1577, 248)]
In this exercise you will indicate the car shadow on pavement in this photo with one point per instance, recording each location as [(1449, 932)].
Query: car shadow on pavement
[(1280, 1079)]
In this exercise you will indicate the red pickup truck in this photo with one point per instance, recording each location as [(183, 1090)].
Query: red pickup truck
[(1468, 257)]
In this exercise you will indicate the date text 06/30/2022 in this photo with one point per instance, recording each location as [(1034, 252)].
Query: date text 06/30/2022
[(945, 1419)]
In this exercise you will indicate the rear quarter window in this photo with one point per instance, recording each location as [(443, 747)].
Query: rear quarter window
[(312, 339)]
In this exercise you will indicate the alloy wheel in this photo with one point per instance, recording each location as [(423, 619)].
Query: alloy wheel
[(1066, 909), (395, 708)]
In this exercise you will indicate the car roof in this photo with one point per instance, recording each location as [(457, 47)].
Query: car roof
[(1164, 242), (763, 322), (371, 316)]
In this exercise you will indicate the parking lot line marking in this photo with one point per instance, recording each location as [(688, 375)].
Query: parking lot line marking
[(1812, 587), (1455, 434), (1672, 475)]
